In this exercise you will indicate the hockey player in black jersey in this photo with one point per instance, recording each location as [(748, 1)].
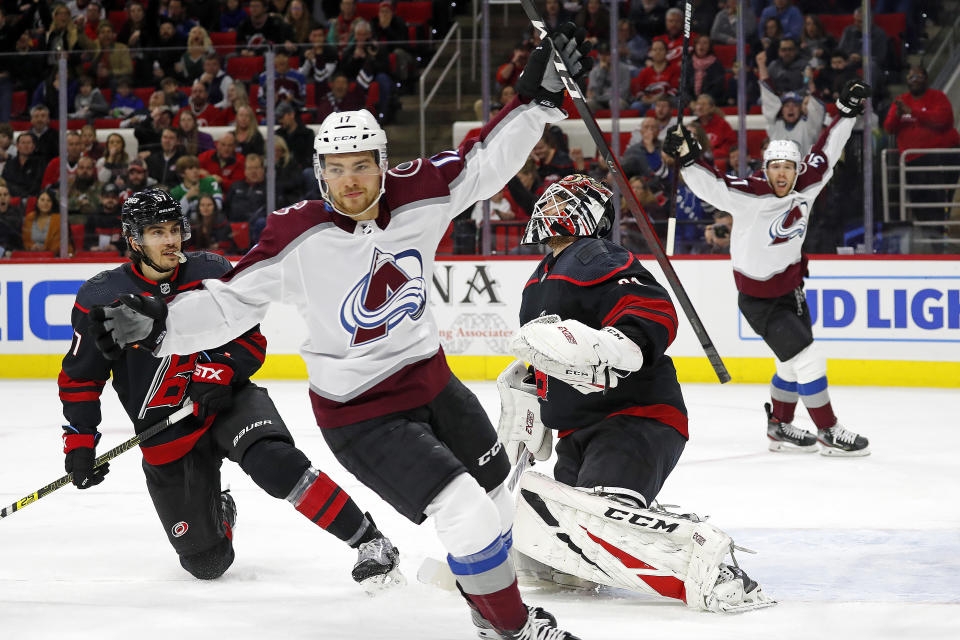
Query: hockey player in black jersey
[(595, 325), (233, 418)]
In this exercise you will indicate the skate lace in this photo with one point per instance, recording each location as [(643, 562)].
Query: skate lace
[(536, 629), (840, 434), (792, 431)]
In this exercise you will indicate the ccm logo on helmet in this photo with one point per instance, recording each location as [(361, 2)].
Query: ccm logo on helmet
[(344, 138)]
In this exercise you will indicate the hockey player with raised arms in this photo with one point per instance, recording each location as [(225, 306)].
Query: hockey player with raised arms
[(233, 418), (771, 215), (595, 326), (357, 266)]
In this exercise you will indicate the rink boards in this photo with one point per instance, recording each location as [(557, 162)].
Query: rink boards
[(879, 321)]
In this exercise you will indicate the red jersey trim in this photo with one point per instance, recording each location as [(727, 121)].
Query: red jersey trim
[(586, 283), (413, 386), (81, 308), (657, 310), (664, 413), (175, 449), (777, 285)]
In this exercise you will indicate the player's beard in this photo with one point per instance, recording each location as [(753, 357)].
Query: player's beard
[(359, 204)]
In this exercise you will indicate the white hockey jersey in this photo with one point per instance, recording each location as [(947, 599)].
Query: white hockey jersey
[(766, 241), (373, 345)]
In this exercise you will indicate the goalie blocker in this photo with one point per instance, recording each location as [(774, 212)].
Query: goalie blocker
[(597, 537)]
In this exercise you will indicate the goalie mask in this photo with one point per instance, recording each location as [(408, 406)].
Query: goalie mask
[(575, 206), (146, 208), (349, 132)]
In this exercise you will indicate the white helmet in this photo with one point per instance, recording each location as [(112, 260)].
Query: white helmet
[(782, 150), (349, 132), (577, 205)]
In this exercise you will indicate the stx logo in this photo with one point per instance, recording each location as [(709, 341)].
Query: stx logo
[(210, 372), (566, 334), (248, 428), (640, 520)]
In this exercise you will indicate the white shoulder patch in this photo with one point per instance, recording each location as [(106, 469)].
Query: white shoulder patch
[(406, 169)]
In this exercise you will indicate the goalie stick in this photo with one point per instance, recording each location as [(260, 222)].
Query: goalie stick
[(148, 433), (633, 204)]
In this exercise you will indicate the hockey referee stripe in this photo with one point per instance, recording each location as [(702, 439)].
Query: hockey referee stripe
[(889, 373)]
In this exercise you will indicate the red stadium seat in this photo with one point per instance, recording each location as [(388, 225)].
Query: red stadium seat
[(834, 24), (369, 10), (76, 236), (755, 138), (143, 93), (117, 19), (446, 243), (245, 68), (415, 12), (18, 105), (624, 139), (241, 234), (107, 123), (224, 43), (15, 201), (373, 97), (31, 204), (20, 125), (97, 255), (311, 95)]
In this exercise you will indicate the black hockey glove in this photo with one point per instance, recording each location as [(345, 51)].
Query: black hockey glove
[(850, 104), (682, 146), (79, 449), (132, 322), (210, 386), (540, 80)]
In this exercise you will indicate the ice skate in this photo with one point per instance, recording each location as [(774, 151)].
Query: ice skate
[(532, 572), (540, 625), (785, 437), (486, 630), (735, 592), (378, 564), (837, 441)]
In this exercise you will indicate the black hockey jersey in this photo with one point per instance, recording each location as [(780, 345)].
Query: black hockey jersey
[(149, 388), (602, 284)]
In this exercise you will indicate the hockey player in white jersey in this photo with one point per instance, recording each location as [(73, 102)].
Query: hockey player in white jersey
[(770, 216), (595, 326), (357, 266)]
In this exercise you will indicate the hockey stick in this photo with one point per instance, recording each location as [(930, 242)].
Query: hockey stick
[(633, 204), (151, 431), (681, 107)]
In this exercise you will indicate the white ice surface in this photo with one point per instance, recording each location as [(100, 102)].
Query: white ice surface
[(852, 548)]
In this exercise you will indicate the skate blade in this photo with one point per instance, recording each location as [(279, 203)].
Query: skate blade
[(375, 585), (834, 452), (786, 447), (743, 607)]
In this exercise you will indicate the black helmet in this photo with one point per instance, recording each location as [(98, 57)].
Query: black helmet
[(152, 206)]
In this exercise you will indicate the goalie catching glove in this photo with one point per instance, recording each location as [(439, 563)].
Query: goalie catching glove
[(520, 430), (589, 360), (132, 322)]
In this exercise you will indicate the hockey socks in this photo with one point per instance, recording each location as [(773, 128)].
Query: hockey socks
[(817, 401), (321, 500), (783, 396), (488, 580)]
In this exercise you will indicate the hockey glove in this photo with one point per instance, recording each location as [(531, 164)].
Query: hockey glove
[(210, 386), (680, 144), (852, 97), (79, 449), (520, 429), (541, 80), (132, 322), (589, 360)]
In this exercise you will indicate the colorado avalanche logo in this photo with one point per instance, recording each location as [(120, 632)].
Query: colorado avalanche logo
[(393, 289), (783, 228)]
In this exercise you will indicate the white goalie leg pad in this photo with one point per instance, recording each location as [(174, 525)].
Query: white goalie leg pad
[(520, 428), (605, 541)]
